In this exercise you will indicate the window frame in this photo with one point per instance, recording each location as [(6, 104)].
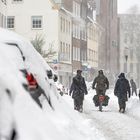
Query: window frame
[(8, 18), (17, 1), (32, 24)]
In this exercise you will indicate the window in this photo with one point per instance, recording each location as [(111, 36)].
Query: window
[(69, 51), (76, 31), (61, 25), (64, 53), (76, 8), (64, 26), (73, 30), (36, 22), (76, 53), (17, 0), (10, 22), (66, 22), (61, 47), (69, 27), (83, 55), (83, 33)]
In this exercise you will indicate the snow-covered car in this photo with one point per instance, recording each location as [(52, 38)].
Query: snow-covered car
[(61, 88), (17, 54), (20, 117)]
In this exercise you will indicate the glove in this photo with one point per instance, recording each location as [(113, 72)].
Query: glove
[(107, 88), (93, 87), (69, 93), (86, 93)]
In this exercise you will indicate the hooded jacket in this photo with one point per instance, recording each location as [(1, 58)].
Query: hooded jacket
[(122, 87), (101, 82)]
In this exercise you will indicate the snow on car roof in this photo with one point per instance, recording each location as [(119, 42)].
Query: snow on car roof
[(20, 111)]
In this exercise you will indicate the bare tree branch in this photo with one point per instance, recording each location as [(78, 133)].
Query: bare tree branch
[(38, 44)]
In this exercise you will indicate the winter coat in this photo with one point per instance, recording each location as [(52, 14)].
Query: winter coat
[(122, 88), (101, 82), (133, 85), (78, 87)]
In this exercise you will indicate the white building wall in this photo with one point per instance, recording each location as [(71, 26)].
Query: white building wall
[(65, 36), (125, 49), (93, 44), (65, 67), (3, 12), (23, 11)]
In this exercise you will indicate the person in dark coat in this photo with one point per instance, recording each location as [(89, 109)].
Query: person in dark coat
[(78, 89), (133, 86), (101, 82), (122, 90), (139, 94)]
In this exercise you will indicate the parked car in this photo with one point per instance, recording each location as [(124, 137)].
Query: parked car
[(17, 108), (61, 89)]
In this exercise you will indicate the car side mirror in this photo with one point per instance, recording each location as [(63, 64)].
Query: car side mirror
[(55, 78), (49, 74)]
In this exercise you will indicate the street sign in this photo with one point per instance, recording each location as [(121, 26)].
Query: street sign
[(55, 61)]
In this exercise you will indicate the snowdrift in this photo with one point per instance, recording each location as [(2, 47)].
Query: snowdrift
[(19, 112)]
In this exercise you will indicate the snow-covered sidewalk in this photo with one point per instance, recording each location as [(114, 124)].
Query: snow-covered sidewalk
[(110, 123)]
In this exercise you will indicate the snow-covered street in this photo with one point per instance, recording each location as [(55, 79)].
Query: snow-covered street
[(112, 124)]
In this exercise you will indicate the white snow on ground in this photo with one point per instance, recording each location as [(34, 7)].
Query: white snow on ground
[(112, 124), (19, 111)]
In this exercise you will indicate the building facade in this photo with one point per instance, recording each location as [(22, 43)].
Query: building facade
[(65, 25), (108, 51), (129, 31), (92, 49), (52, 23)]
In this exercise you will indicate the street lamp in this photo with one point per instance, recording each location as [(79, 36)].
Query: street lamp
[(126, 58)]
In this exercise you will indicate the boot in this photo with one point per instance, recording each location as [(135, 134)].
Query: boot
[(123, 110), (120, 110), (81, 109)]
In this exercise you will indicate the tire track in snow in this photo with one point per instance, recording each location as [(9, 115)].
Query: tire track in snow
[(106, 131), (115, 126)]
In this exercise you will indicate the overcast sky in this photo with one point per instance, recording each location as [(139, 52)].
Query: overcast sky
[(124, 5)]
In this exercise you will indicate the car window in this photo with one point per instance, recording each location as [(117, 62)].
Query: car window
[(15, 55)]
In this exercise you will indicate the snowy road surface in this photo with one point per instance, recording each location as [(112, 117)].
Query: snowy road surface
[(112, 124)]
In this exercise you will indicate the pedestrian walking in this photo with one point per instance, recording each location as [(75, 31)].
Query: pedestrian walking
[(122, 91), (134, 87), (100, 84), (78, 89)]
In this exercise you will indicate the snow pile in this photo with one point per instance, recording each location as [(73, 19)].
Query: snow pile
[(18, 110), (134, 107), (111, 123)]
